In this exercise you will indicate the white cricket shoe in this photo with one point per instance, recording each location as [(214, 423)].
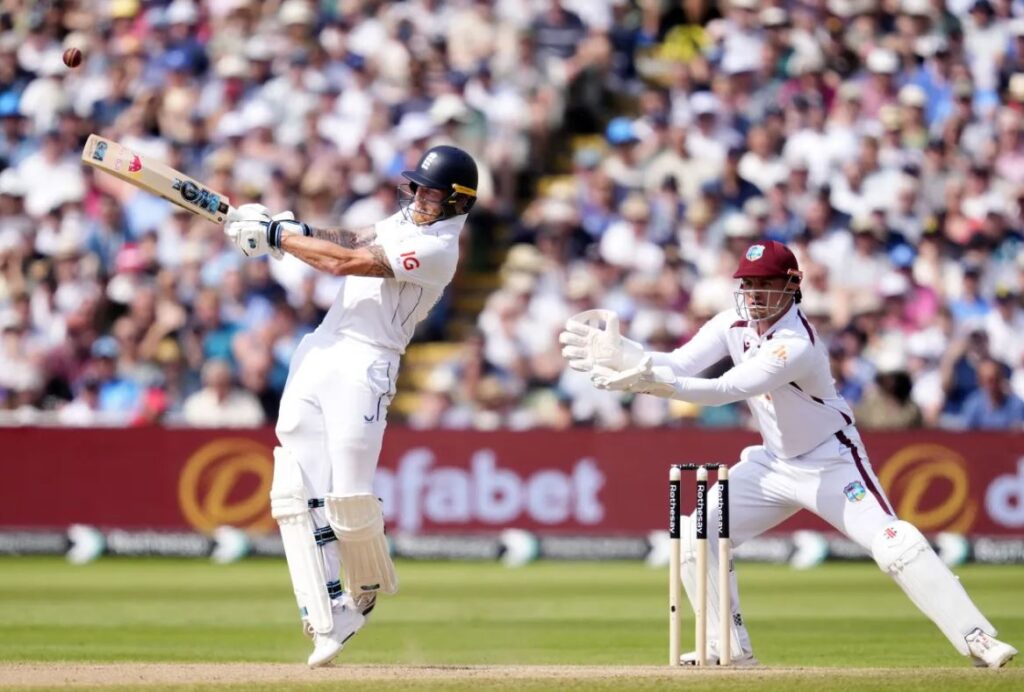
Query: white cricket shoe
[(746, 660), (364, 604), (988, 651), (347, 621)]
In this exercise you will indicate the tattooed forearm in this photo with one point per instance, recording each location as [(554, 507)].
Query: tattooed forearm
[(381, 266), (360, 237)]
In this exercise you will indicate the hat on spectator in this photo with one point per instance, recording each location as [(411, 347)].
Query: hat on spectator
[(415, 126), (850, 91), (557, 211), (635, 208), (524, 257), (893, 285), (295, 12), (916, 8), (167, 351), (448, 108), (181, 12), (232, 66), (890, 117), (704, 103), (756, 208), (806, 62), (890, 361), (930, 44), (257, 48), (902, 256), (620, 131), (766, 259), (737, 62), (773, 17), (105, 347), (882, 61), (11, 183), (124, 9), (1015, 88), (739, 226), (1005, 293), (698, 213), (175, 60), (231, 124), (913, 95)]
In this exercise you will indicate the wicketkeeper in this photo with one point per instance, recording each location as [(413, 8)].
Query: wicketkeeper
[(342, 379), (811, 458)]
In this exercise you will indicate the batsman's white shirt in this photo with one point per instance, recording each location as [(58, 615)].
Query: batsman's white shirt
[(783, 375), (384, 312), (342, 377)]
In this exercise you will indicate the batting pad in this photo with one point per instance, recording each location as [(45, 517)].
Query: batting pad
[(906, 555), (366, 564), (289, 506)]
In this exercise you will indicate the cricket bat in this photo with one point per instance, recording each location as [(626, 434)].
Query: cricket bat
[(155, 177)]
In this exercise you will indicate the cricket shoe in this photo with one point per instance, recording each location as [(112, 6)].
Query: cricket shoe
[(347, 621), (746, 660), (987, 651), (364, 604)]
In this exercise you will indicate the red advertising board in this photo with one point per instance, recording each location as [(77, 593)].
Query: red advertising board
[(580, 482)]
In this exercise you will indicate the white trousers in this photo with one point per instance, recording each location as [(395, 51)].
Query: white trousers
[(334, 412), (834, 480), (333, 416)]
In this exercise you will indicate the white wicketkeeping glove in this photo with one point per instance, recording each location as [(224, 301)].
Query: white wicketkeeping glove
[(585, 344), (643, 378)]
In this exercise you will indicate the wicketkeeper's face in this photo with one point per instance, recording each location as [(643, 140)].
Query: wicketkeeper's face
[(762, 298)]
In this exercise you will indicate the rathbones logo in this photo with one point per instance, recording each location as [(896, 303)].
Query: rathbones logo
[(197, 196), (417, 492)]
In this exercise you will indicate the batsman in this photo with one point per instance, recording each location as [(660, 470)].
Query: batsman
[(342, 379), (811, 456)]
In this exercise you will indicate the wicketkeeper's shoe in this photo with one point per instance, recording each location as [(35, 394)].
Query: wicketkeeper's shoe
[(742, 661), (989, 651), (347, 621)]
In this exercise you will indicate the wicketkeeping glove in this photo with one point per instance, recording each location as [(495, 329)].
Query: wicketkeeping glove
[(640, 379)]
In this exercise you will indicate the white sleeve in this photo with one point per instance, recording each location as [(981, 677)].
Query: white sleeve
[(421, 259), (707, 347), (775, 366)]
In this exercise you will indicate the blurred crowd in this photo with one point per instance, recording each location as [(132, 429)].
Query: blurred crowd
[(630, 150)]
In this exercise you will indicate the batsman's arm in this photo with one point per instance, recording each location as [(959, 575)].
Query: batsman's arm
[(335, 259)]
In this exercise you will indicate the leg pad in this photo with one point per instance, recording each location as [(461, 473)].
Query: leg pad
[(366, 563)]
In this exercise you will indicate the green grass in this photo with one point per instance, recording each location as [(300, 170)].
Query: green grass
[(841, 616)]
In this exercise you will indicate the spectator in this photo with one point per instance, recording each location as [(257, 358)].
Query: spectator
[(220, 404), (993, 406)]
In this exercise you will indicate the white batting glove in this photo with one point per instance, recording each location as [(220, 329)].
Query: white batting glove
[(243, 227), (640, 379)]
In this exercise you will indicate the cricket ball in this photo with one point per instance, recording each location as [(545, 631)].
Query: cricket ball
[(73, 57)]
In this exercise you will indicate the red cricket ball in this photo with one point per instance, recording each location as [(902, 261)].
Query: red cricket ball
[(73, 57)]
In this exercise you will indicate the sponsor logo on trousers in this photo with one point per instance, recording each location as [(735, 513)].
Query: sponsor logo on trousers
[(420, 492)]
